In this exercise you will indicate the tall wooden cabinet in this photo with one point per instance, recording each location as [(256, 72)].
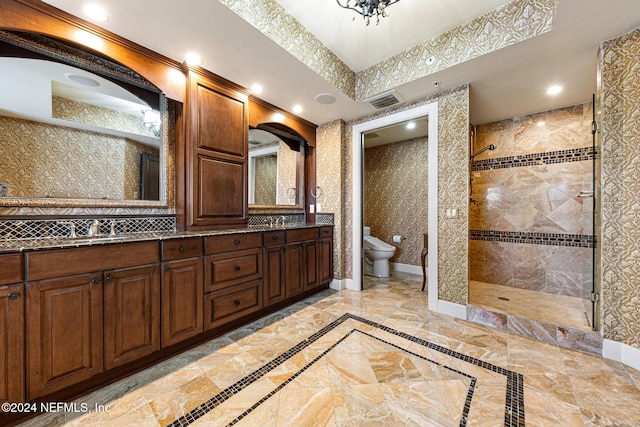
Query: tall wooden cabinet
[(214, 167)]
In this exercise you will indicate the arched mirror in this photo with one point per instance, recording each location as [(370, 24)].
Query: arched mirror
[(276, 166), (76, 128)]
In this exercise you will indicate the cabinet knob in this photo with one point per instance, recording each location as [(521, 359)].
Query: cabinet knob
[(275, 237), (236, 268), (237, 242), (13, 295), (326, 231), (183, 248), (236, 302), (111, 278), (95, 281), (167, 268)]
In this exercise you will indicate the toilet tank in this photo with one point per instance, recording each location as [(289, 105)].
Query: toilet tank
[(367, 231)]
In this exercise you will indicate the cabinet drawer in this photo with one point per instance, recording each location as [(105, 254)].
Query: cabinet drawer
[(10, 269), (302, 234), (232, 303), (230, 269), (326, 232), (273, 238), (182, 248), (232, 242)]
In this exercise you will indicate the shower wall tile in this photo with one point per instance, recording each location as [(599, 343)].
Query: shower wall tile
[(395, 196)]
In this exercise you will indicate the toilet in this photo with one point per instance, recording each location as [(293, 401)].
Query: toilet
[(376, 255)]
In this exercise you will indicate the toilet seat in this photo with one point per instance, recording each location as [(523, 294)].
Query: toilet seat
[(375, 244)]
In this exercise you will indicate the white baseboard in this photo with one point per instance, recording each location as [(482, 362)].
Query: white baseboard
[(621, 352), (451, 309), (351, 285), (338, 285), (407, 268)]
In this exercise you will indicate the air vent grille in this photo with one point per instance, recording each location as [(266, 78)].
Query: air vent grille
[(385, 100)]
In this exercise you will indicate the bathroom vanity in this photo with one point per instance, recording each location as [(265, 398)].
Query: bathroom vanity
[(80, 315)]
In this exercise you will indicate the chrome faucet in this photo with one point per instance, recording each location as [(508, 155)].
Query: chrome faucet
[(281, 219), (112, 231), (94, 228)]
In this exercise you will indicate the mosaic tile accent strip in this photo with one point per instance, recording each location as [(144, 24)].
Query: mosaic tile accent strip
[(560, 156), (267, 219), (551, 239), (514, 400), (324, 218), (12, 230)]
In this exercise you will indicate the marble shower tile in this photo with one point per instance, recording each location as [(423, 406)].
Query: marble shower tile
[(532, 328)]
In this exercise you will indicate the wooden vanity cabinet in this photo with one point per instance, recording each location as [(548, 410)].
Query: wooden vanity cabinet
[(274, 267), (301, 260), (182, 290), (11, 329), (325, 255), (233, 277), (215, 161), (131, 314), (72, 296)]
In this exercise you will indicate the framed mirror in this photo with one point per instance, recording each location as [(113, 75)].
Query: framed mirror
[(77, 129), (276, 169)]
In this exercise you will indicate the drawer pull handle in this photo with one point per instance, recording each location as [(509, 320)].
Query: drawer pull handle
[(13, 295), (237, 242), (275, 237), (167, 269), (236, 268), (326, 231), (236, 302), (95, 281), (111, 278), (183, 248)]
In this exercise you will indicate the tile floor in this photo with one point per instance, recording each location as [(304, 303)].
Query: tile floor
[(371, 358)]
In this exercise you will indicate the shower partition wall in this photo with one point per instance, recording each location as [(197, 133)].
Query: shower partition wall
[(531, 227)]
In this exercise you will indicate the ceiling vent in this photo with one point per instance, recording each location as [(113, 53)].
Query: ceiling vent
[(384, 100)]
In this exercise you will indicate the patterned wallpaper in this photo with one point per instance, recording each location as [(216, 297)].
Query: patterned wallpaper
[(620, 186), (266, 168), (287, 163), (80, 112), (395, 196), (517, 21), (41, 160), (453, 125)]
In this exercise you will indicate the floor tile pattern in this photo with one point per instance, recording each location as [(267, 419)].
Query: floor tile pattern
[(367, 365)]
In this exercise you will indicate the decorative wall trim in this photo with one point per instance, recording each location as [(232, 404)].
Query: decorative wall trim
[(267, 219), (550, 239), (338, 284), (621, 352), (325, 218), (552, 157), (407, 268)]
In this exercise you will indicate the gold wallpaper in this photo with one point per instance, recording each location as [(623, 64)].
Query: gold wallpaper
[(287, 162), (517, 21), (453, 125), (395, 196), (619, 185), (266, 168), (80, 112), (93, 166), (274, 22)]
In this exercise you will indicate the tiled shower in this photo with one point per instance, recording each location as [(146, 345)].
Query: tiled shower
[(531, 204)]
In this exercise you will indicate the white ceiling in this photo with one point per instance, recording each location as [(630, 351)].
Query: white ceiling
[(506, 83), (397, 133)]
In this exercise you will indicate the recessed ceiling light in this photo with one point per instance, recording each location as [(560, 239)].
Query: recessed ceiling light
[(256, 88), (193, 58), (554, 90), (96, 12), (325, 98), (297, 109), (411, 125), (541, 123)]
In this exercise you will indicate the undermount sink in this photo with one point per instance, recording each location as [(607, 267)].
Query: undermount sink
[(98, 238)]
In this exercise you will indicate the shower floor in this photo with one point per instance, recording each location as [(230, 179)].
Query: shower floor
[(555, 309)]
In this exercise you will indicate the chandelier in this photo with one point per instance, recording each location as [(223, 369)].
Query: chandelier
[(368, 8)]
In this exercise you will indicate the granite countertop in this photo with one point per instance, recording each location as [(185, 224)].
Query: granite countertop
[(19, 245)]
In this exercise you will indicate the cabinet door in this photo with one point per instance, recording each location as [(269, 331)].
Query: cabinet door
[(294, 268), (310, 261), (182, 296), (64, 332), (325, 260), (11, 343), (131, 314), (274, 274)]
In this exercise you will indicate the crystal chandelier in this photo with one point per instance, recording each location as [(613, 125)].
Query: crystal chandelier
[(368, 8)]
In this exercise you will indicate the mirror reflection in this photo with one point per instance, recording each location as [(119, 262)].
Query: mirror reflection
[(67, 133), (275, 175)]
